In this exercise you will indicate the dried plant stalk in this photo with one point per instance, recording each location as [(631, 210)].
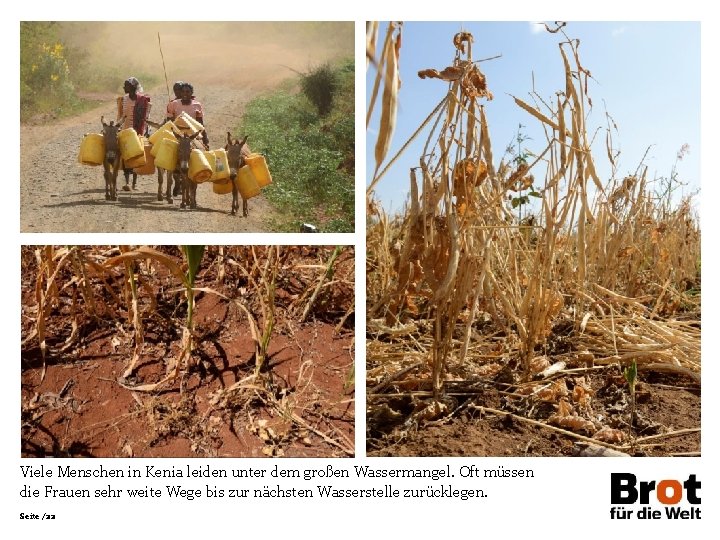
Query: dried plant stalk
[(388, 115)]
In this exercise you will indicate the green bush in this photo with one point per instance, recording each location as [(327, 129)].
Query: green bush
[(319, 86)]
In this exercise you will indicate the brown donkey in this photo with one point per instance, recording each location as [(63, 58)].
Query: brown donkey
[(189, 188), (236, 152), (186, 187), (111, 163)]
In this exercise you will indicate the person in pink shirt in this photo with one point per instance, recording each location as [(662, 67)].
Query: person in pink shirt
[(188, 104)]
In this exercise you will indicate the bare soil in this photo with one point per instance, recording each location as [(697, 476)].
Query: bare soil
[(668, 407), (301, 405)]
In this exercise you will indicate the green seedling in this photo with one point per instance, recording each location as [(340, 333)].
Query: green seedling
[(630, 373)]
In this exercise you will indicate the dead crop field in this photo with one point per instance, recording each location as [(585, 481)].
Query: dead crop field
[(185, 351), (572, 330)]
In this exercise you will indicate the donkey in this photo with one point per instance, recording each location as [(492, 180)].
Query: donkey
[(189, 188), (236, 152), (180, 174), (111, 163)]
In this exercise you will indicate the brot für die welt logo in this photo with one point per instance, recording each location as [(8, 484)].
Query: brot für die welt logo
[(679, 499)]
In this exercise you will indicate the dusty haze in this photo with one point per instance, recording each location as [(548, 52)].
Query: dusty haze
[(246, 53)]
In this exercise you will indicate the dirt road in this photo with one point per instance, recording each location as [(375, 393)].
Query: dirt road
[(58, 194)]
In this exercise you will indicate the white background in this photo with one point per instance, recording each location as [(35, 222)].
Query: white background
[(569, 497)]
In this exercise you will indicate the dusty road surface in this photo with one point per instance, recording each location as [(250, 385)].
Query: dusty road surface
[(227, 67)]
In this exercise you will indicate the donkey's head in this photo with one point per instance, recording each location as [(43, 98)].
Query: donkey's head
[(237, 151), (110, 134), (185, 145)]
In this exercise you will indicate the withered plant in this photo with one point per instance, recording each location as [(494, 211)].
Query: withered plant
[(608, 264)]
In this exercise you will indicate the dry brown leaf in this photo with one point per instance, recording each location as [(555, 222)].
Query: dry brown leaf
[(450, 73), (564, 408), (538, 364), (527, 390), (474, 84), (433, 410), (489, 370), (572, 423), (609, 435), (460, 39), (581, 395)]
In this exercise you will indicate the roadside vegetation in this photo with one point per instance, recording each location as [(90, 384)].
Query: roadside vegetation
[(52, 72), (306, 131)]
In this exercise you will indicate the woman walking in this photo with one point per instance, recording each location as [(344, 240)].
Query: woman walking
[(134, 107)]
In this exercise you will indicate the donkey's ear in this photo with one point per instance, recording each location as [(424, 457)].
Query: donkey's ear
[(102, 121), (229, 138)]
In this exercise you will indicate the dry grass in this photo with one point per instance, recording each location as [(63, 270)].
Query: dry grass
[(458, 280), (108, 285)]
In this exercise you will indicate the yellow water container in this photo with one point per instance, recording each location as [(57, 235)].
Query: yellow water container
[(163, 135), (210, 157), (130, 145), (149, 166), (219, 163), (137, 161), (223, 187), (246, 183), (167, 154), (92, 149), (260, 169), (166, 130), (199, 170), (184, 120)]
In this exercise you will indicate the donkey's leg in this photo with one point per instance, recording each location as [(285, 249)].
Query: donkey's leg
[(193, 194), (107, 174), (245, 208), (184, 190), (177, 189), (113, 183), (234, 205), (160, 181), (134, 174)]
